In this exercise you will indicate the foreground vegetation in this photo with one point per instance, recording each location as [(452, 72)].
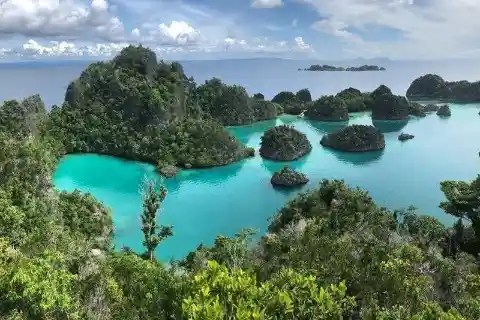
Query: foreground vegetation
[(331, 253)]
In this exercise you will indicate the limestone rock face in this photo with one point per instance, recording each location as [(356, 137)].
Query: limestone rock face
[(327, 108), (284, 143), (444, 111), (405, 136), (288, 177), (355, 138)]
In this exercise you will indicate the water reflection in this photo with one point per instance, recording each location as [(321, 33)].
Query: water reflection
[(274, 166), (387, 126), (358, 158), (327, 127), (245, 133)]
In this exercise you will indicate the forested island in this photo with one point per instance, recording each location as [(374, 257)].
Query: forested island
[(326, 67), (330, 253), (434, 87)]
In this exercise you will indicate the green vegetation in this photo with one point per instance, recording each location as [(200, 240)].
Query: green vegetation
[(355, 100), (444, 111), (330, 253), (387, 106), (327, 108), (304, 95), (284, 143), (432, 86), (355, 138), (288, 177), (134, 108)]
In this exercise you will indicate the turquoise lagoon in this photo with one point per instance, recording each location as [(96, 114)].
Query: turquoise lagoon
[(204, 203)]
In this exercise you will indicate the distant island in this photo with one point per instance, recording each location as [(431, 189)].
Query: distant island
[(326, 67)]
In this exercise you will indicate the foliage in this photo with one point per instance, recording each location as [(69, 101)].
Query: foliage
[(304, 95), (227, 104), (328, 108), (284, 143), (432, 86), (387, 106), (153, 196), (355, 138), (220, 293), (134, 108)]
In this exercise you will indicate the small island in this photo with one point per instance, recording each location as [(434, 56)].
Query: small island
[(288, 177), (327, 108), (355, 138), (284, 143), (444, 111), (326, 67), (387, 106), (434, 87), (405, 136)]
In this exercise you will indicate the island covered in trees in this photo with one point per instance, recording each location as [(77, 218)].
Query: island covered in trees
[(329, 253), (434, 87), (326, 67)]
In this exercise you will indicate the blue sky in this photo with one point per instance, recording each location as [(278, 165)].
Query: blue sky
[(211, 29)]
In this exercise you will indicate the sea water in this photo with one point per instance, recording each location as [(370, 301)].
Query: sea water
[(202, 204)]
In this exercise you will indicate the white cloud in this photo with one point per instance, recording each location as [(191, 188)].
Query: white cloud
[(266, 4), (177, 33), (429, 28), (40, 18), (62, 49)]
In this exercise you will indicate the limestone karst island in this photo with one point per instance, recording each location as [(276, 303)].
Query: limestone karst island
[(145, 194)]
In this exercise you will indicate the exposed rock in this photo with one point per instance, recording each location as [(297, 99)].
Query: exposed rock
[(327, 108), (259, 96), (432, 86), (387, 106), (444, 111), (405, 136), (188, 166), (284, 143), (288, 177), (355, 138), (168, 171)]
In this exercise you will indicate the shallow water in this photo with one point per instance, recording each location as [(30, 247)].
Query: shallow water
[(204, 203)]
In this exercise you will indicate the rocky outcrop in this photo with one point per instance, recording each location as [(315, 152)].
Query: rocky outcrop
[(405, 136), (283, 97), (432, 86), (444, 111), (355, 138), (288, 177), (387, 106), (327, 108), (284, 143), (168, 171), (355, 100)]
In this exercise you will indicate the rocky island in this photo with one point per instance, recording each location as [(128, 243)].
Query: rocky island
[(355, 100), (434, 87), (135, 108), (293, 103), (326, 67), (405, 136), (355, 138), (288, 177), (444, 111), (327, 108), (284, 143), (387, 106)]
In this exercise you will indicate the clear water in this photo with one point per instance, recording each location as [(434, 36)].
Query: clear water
[(204, 203)]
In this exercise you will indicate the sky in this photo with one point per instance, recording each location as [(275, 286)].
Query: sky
[(216, 29)]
